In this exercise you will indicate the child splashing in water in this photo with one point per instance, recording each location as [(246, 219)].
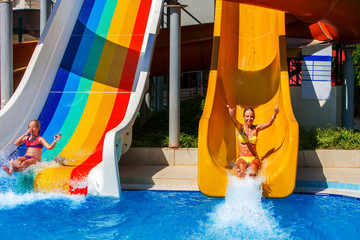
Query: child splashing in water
[(34, 144), (246, 136)]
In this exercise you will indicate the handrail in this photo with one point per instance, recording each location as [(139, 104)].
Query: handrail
[(192, 16), (37, 3), (175, 2)]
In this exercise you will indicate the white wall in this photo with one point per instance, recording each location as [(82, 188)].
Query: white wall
[(202, 10), (317, 113)]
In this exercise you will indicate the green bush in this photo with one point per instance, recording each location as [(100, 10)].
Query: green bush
[(186, 141), (329, 138), (155, 132), (356, 58), (307, 138)]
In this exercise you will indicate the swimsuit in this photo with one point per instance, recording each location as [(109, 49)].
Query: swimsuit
[(34, 143), (28, 157), (242, 138), (248, 159)]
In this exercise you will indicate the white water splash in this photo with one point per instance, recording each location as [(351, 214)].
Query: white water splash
[(243, 215), (79, 184), (10, 200), (5, 153)]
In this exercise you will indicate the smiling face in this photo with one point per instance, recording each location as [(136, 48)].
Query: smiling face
[(34, 127), (249, 116)]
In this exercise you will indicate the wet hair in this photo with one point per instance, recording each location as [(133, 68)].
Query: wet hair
[(249, 108), (37, 123)]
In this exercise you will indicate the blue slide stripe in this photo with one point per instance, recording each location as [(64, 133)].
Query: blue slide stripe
[(61, 78), (73, 81), (65, 66), (79, 82)]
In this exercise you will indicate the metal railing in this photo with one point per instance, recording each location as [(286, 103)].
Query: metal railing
[(33, 3), (175, 2), (36, 3)]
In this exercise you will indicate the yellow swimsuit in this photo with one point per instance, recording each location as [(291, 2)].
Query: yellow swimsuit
[(242, 138)]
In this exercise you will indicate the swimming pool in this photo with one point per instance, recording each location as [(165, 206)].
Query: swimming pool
[(243, 214)]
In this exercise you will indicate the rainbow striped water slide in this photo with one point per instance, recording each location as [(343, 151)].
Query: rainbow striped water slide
[(86, 79)]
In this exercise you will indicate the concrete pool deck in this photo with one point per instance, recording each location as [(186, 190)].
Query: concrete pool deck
[(319, 171)]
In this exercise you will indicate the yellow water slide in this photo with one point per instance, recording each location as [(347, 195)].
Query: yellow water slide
[(248, 68)]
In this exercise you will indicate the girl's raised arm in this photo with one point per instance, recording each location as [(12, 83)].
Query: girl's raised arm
[(270, 122), (20, 140), (232, 114), (57, 137)]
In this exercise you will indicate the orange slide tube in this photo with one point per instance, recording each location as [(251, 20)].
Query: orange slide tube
[(340, 19)]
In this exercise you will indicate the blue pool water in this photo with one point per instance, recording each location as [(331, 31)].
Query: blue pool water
[(243, 214)]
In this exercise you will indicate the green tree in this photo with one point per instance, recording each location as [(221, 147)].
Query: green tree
[(356, 58)]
